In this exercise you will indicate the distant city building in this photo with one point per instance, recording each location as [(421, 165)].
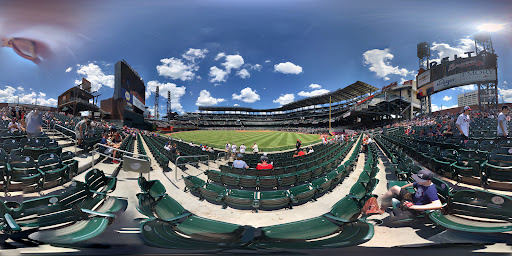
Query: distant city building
[(471, 98)]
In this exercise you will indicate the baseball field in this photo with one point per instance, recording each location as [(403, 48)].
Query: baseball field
[(266, 140)]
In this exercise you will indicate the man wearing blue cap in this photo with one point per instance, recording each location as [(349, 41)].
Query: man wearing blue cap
[(425, 197)]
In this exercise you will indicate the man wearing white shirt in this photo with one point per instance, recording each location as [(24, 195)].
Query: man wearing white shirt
[(463, 123), (502, 123)]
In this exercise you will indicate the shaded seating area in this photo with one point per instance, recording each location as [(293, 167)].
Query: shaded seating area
[(77, 214)]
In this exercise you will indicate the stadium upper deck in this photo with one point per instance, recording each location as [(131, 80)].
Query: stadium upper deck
[(308, 111)]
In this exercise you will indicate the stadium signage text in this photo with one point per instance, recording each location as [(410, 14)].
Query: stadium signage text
[(469, 63), (423, 78), (464, 78)]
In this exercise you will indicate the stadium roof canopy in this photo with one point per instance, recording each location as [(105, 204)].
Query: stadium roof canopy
[(352, 91)]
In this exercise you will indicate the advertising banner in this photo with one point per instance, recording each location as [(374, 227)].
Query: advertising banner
[(137, 103), (464, 78), (424, 78)]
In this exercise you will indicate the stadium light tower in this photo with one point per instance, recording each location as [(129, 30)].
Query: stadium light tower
[(423, 53), (487, 91), (157, 98), (169, 105)]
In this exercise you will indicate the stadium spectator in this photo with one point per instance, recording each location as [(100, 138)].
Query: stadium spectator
[(425, 197), (311, 150), (255, 148), (264, 165), (242, 149), (167, 146), (298, 145), (502, 123), (463, 123), (448, 132), (263, 156), (174, 149), (300, 153), (239, 163), (111, 150), (13, 125), (227, 148), (233, 149), (80, 130)]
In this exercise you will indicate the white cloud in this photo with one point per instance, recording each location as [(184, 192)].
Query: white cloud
[(288, 68), (313, 93), (505, 94), (69, 69), (11, 95), (193, 54), (243, 73), (233, 62), (285, 99), (436, 107), (447, 98), (469, 87), (218, 75), (175, 68), (315, 86), (95, 75), (205, 99), (220, 56), (379, 63), (236, 105), (247, 95), (267, 61), (445, 50), (505, 82), (176, 93), (256, 67), (183, 69)]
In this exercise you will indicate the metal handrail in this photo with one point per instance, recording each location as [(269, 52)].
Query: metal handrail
[(176, 164), (74, 140), (116, 149)]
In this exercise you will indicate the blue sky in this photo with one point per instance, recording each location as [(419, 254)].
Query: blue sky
[(258, 54)]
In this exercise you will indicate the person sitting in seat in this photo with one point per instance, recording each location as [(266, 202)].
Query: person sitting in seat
[(425, 197), (167, 146), (111, 150), (264, 165), (300, 153), (239, 163)]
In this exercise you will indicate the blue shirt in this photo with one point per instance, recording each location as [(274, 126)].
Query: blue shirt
[(239, 164), (424, 195)]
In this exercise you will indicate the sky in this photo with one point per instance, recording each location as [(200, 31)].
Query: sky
[(258, 54)]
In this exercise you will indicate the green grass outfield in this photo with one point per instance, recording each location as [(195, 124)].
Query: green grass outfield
[(266, 140)]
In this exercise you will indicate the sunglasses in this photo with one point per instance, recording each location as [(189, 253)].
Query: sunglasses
[(26, 48)]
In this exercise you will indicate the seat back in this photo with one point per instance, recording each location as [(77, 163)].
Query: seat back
[(482, 204), (132, 164)]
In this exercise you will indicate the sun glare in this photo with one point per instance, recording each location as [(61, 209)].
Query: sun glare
[(490, 27)]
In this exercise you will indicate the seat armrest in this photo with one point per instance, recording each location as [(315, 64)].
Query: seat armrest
[(173, 219), (11, 223), (100, 214), (331, 217)]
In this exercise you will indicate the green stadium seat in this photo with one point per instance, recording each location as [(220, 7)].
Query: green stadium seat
[(301, 194), (270, 200)]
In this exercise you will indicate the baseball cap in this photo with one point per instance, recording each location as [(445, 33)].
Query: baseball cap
[(423, 175), (239, 156), (467, 108), (264, 159)]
